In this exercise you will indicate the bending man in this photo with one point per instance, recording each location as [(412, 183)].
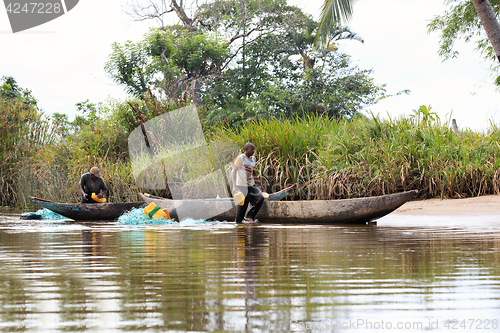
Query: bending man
[(91, 182), (244, 178)]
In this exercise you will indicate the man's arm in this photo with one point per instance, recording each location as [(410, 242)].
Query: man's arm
[(83, 189), (102, 191)]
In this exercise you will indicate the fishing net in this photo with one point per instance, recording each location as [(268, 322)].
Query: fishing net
[(49, 215), (136, 216)]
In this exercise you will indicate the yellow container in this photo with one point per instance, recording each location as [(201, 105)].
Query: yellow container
[(155, 212), (97, 199), (266, 195), (239, 198)]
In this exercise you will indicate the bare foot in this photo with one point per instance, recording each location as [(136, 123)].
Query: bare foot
[(250, 220)]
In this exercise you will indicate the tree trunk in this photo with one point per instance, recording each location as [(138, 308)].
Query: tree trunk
[(195, 89), (490, 23)]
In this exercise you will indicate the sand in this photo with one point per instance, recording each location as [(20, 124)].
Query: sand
[(483, 205)]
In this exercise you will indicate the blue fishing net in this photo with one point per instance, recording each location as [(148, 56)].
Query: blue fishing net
[(136, 216), (49, 215)]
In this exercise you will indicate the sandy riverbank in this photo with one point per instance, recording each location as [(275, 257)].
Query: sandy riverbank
[(484, 205)]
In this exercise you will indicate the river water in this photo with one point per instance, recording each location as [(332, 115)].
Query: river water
[(407, 273)]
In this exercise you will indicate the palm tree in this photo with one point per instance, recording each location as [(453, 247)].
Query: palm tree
[(333, 10), (490, 23), (302, 40)]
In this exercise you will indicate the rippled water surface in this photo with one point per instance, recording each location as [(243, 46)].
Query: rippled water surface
[(404, 274)]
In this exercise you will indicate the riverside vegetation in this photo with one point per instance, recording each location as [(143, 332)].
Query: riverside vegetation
[(327, 158), (255, 74)]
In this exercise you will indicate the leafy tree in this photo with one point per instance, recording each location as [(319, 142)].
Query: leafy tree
[(128, 66), (462, 22), (289, 77), (209, 39), (11, 90), (333, 88), (165, 61), (61, 124), (89, 110), (490, 24)]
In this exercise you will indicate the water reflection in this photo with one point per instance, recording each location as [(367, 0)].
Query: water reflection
[(251, 246), (103, 277)]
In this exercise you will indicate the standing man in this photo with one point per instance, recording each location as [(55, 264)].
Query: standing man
[(244, 178), (91, 182)]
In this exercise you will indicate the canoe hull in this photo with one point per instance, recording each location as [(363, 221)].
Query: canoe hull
[(359, 210), (88, 212)]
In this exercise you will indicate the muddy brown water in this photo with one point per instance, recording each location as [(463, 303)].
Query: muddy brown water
[(407, 273)]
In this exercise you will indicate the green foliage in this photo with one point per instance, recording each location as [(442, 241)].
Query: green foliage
[(129, 66), (424, 115), (24, 130), (234, 113), (461, 22), (334, 89), (10, 90), (274, 84), (101, 135), (200, 55), (89, 110), (230, 15), (23, 127), (131, 113), (332, 12), (285, 139), (61, 124), (165, 61)]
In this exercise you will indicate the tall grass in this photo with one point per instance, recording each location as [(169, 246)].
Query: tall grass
[(24, 129), (330, 158)]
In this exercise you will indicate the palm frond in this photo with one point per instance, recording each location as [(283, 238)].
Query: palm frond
[(343, 33), (332, 12)]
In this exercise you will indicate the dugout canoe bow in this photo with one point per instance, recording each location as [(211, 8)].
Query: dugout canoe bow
[(88, 211)]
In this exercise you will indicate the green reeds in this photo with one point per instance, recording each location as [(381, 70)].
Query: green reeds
[(24, 130), (330, 158)]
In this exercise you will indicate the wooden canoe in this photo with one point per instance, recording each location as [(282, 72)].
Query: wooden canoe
[(88, 212), (359, 210)]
